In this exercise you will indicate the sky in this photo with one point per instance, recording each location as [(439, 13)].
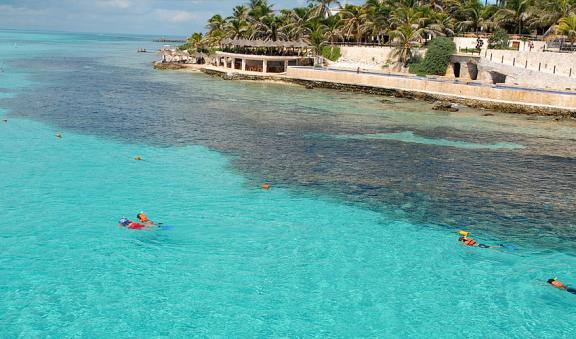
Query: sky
[(158, 17)]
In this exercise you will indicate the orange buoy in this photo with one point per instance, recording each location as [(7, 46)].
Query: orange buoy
[(266, 186)]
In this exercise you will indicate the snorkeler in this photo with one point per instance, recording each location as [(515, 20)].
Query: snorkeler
[(144, 219), (466, 240), (554, 282), (124, 222)]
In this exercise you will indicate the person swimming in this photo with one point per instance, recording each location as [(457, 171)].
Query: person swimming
[(558, 284), (124, 222), (143, 218), (466, 240)]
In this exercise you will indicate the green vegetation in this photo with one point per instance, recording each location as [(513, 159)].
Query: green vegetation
[(436, 60), (499, 40), (194, 43), (405, 24), (332, 53), (470, 50), (415, 65), (438, 56), (567, 27)]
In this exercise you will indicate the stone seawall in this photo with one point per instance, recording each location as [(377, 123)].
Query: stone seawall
[(474, 103), (487, 103), (506, 99)]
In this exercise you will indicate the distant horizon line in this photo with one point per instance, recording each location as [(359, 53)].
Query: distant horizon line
[(40, 30)]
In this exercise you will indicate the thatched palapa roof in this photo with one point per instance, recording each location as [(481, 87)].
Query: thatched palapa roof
[(264, 43)]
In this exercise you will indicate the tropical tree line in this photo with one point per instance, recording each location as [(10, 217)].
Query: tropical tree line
[(404, 23)]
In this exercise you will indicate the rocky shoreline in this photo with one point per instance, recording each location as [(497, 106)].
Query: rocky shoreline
[(445, 100), (450, 102)]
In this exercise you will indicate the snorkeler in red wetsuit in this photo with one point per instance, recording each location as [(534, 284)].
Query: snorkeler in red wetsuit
[(131, 224)]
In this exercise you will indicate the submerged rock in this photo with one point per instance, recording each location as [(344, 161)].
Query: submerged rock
[(445, 106)]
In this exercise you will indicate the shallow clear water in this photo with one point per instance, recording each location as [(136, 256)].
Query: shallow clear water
[(357, 237)]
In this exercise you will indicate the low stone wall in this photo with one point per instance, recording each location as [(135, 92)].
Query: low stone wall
[(561, 64), (470, 43), (375, 56), (489, 97)]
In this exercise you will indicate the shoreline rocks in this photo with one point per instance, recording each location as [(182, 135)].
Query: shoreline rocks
[(446, 102), (445, 106), (168, 66)]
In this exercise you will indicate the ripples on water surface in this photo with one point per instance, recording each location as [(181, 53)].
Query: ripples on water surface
[(511, 187), (357, 238)]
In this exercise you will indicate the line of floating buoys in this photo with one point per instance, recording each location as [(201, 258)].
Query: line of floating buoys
[(266, 186)]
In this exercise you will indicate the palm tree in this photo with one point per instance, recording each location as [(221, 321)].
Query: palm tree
[(407, 16), (333, 29), (240, 12), (567, 27), (515, 13), (317, 40), (195, 40), (546, 13), (269, 27), (353, 22), (321, 8), (381, 20), (473, 12), (216, 30), (376, 16), (295, 22), (259, 9), (216, 23), (405, 36), (442, 24), (236, 28)]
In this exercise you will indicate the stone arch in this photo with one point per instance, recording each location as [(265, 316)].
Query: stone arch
[(457, 67), (473, 70), (497, 77)]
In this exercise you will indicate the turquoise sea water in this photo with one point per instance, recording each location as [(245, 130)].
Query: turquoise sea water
[(409, 136), (356, 238)]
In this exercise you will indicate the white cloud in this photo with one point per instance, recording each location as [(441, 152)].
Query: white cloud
[(175, 16), (122, 4)]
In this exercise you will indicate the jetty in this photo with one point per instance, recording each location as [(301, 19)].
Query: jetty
[(181, 41)]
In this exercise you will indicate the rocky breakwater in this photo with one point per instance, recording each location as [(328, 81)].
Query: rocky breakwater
[(168, 65)]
